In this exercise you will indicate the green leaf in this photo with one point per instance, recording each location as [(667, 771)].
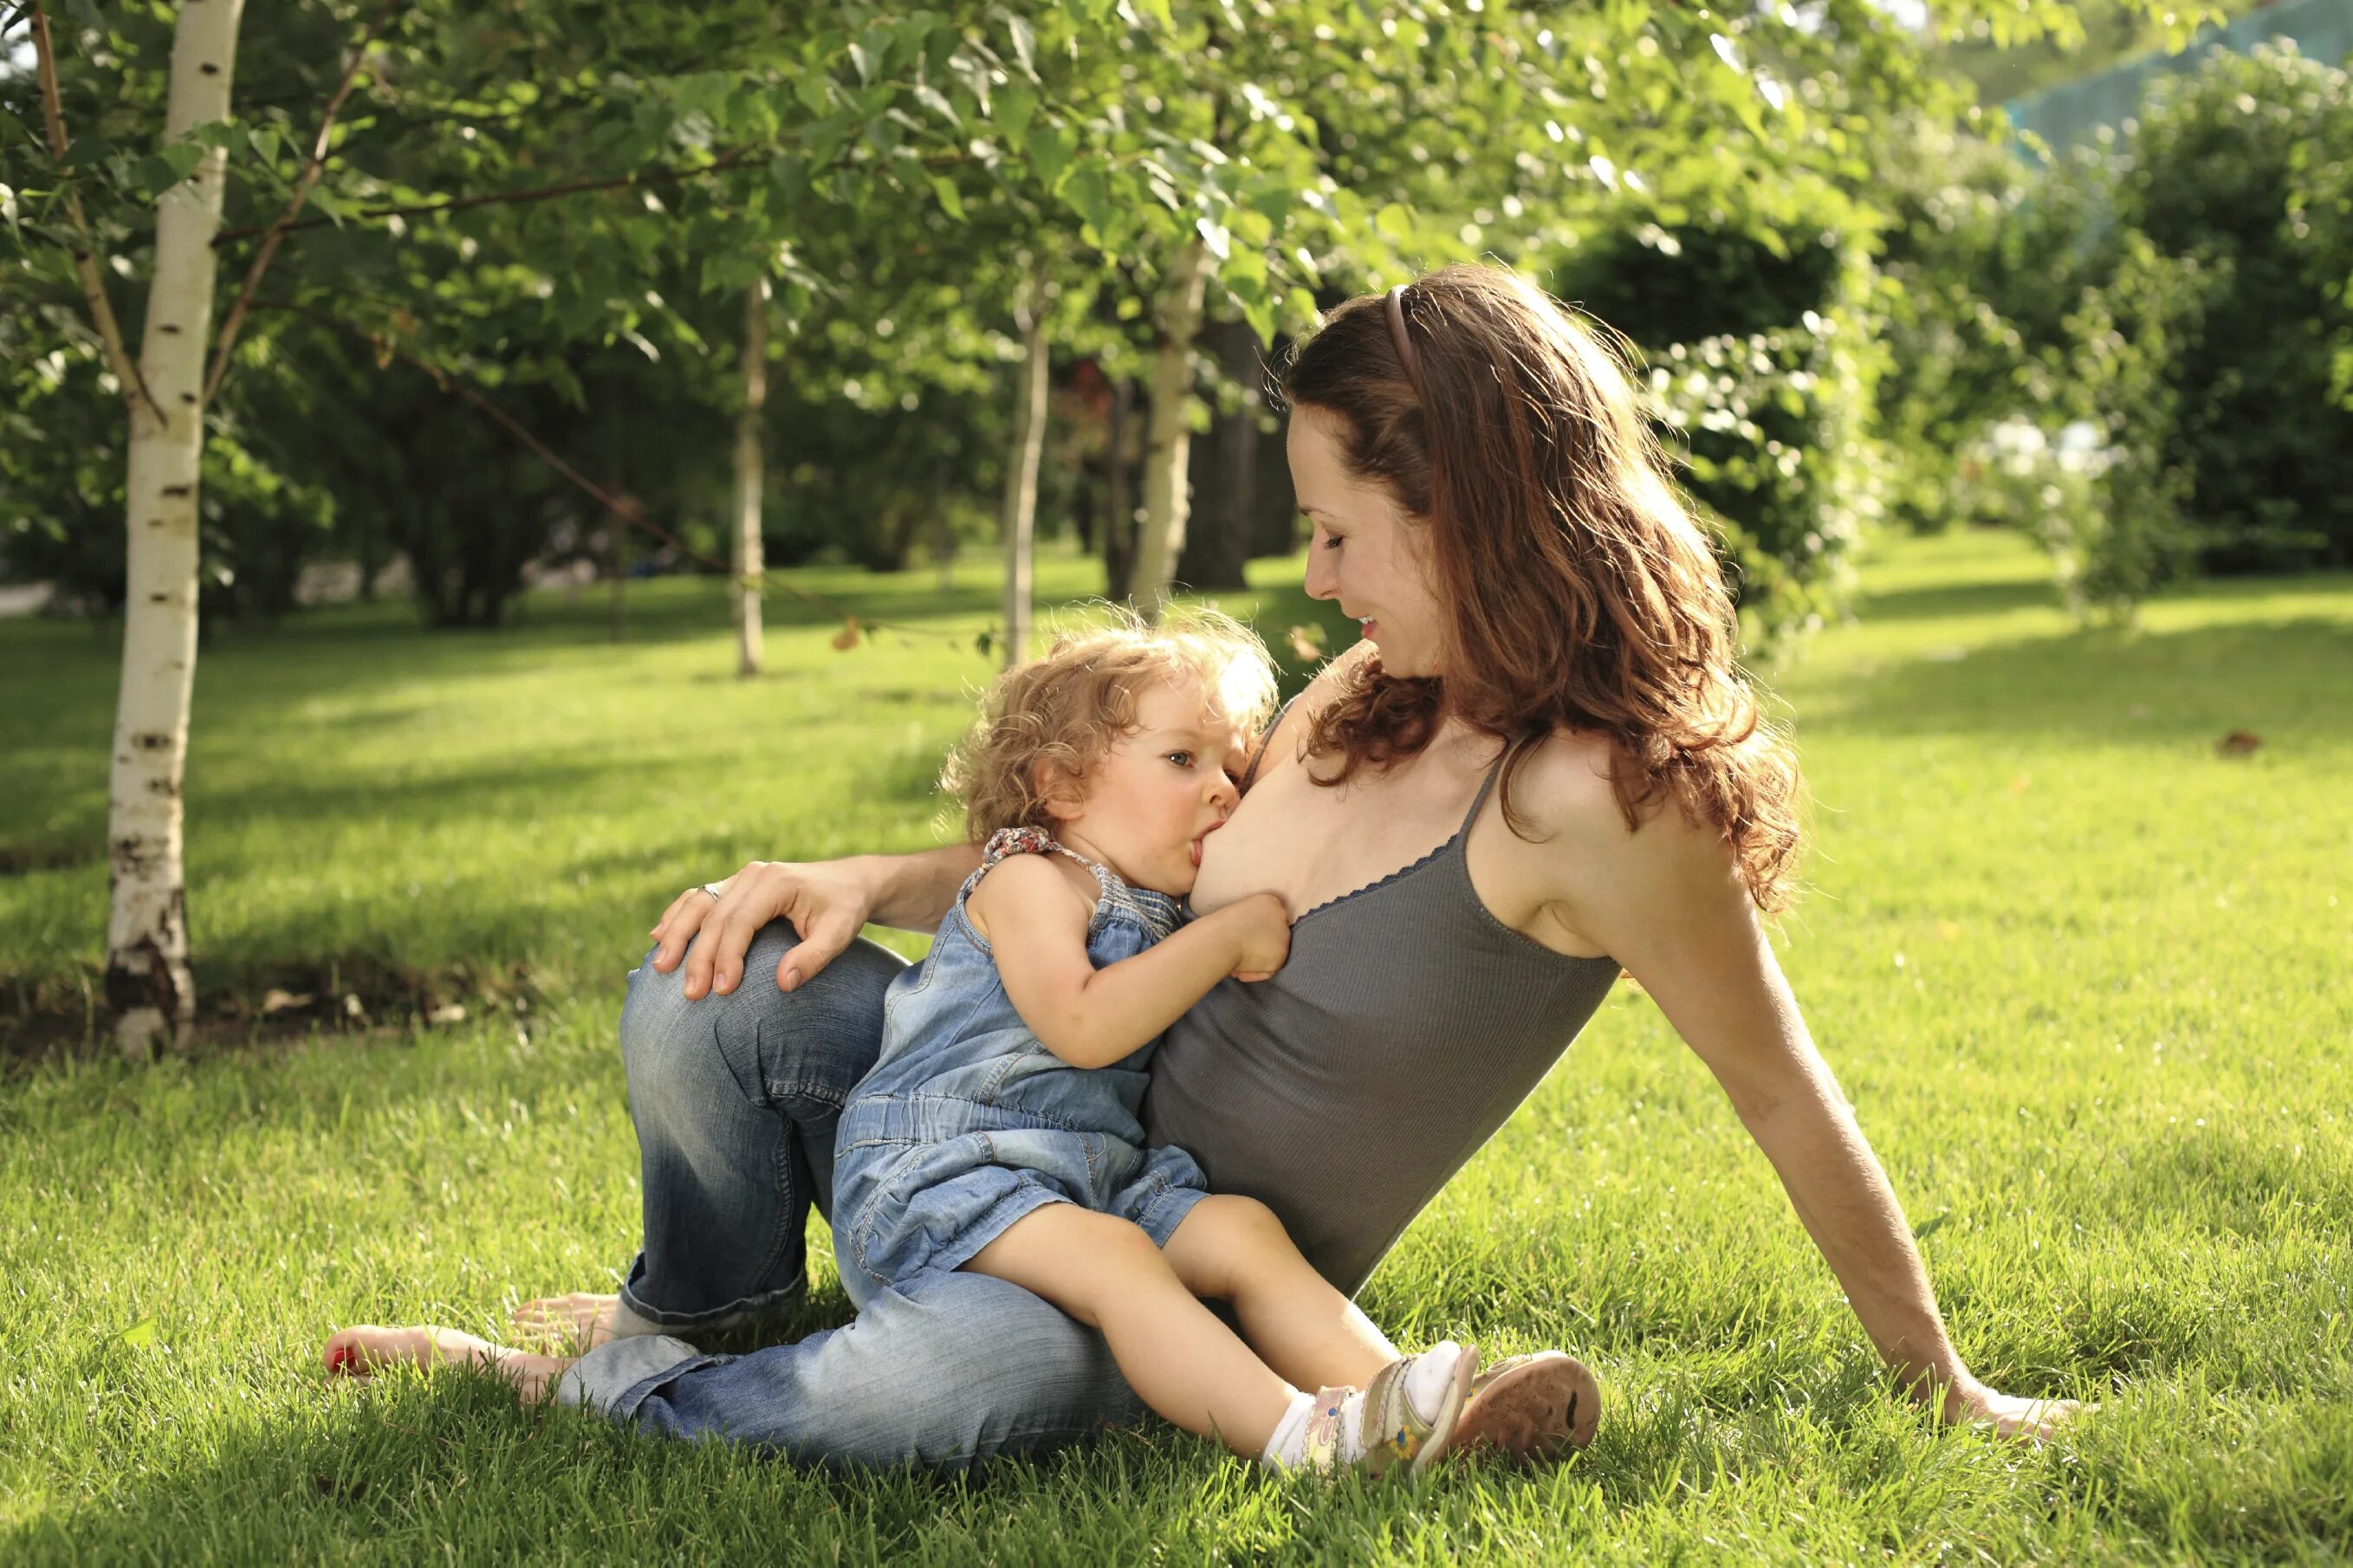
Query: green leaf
[(931, 97), (156, 175), (816, 92), (1025, 45), (1302, 306), (1089, 195), (789, 174), (1050, 153), (945, 188), (1260, 314), (1014, 108), (1213, 235), (141, 1334), (86, 150), (1395, 220)]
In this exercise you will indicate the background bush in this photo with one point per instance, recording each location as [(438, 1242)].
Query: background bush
[(1761, 370)]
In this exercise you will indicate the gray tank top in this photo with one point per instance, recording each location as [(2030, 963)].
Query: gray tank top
[(1344, 1091)]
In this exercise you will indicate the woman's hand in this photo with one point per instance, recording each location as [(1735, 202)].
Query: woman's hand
[(827, 901), (1971, 1402)]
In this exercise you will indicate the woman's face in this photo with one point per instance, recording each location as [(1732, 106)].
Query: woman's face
[(1362, 552)]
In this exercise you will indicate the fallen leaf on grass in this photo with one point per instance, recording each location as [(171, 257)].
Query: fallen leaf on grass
[(453, 1013), (847, 638), (2238, 744), (278, 1001), (141, 1334)]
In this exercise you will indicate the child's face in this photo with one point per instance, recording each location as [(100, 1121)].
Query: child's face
[(1146, 805)]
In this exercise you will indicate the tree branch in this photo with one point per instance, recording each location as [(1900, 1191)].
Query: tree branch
[(309, 176), (502, 198), (85, 255), (730, 160)]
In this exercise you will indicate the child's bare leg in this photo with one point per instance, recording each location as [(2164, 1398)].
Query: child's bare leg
[(1184, 1362), (358, 1353), (1235, 1249)]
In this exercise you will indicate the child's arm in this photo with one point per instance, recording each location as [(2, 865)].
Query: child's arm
[(1036, 923)]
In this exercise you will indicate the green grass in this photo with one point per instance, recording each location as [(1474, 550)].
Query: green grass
[(2085, 979)]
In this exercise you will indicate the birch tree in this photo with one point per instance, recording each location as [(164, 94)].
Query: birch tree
[(749, 479), (149, 991), (1020, 510)]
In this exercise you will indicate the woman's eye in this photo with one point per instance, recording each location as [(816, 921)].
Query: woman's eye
[(1332, 542)]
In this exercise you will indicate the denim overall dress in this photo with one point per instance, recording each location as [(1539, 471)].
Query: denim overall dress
[(967, 1121)]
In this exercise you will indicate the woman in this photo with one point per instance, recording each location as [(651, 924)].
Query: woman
[(1540, 764)]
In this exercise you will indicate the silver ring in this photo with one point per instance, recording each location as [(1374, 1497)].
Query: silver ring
[(707, 888)]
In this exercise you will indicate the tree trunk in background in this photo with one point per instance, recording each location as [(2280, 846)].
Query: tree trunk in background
[(1275, 530), (150, 993), (1219, 534), (1118, 499), (748, 562), (1018, 518), (619, 547), (1178, 317)]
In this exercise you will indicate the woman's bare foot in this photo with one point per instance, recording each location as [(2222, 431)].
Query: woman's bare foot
[(358, 1352), (579, 1322)]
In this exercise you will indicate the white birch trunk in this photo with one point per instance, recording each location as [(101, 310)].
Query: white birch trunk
[(1178, 317), (1019, 513), (149, 991), (749, 560)]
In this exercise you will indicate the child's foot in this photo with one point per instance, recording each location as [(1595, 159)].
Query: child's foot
[(579, 1321), (1531, 1406), (358, 1352), (1403, 1420)]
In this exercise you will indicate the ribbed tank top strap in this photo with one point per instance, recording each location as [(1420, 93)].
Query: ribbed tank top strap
[(1258, 755), (1462, 834)]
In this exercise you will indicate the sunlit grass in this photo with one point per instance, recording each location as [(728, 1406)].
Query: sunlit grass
[(2085, 979)]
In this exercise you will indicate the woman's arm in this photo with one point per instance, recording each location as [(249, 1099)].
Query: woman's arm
[(1668, 903), (1037, 929), (827, 902)]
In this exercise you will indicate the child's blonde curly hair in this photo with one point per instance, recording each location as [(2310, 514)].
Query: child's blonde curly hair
[(1065, 709)]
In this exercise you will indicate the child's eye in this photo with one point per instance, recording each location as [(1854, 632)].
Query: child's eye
[(1182, 759)]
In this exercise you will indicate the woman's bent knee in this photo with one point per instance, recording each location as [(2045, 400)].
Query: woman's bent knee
[(817, 1039)]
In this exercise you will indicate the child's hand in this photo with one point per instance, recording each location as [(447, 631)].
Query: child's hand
[(1263, 931)]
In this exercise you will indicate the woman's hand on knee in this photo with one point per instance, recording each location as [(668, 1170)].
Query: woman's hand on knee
[(712, 926)]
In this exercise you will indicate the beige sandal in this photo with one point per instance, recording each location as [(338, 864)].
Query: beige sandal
[(1533, 1406)]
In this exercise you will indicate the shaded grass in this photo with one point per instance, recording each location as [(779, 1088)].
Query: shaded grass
[(2084, 978)]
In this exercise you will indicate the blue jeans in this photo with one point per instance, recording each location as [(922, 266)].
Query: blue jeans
[(736, 1100)]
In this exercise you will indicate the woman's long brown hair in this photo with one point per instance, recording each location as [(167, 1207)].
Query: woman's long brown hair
[(1582, 595)]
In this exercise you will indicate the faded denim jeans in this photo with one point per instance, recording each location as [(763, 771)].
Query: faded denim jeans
[(737, 1099)]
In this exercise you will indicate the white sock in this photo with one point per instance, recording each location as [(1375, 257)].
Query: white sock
[(1428, 1378), (1287, 1447)]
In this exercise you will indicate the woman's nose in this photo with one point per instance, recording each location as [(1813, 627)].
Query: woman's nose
[(1323, 582)]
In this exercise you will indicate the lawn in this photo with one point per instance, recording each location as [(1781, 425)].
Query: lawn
[(2085, 978)]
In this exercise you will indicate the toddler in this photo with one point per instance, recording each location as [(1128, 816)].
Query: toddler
[(998, 1130)]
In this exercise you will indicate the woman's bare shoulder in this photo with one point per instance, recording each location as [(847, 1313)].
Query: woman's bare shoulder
[(1283, 742), (1568, 788)]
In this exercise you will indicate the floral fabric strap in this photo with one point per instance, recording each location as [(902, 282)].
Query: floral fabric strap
[(1007, 841)]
